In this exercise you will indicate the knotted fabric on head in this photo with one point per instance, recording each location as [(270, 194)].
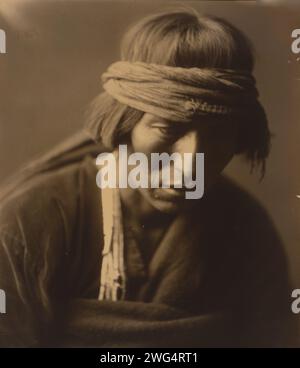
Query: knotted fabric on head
[(179, 94)]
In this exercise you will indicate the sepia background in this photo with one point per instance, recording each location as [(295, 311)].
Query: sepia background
[(57, 50)]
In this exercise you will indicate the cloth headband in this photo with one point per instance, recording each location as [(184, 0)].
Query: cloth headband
[(180, 94)]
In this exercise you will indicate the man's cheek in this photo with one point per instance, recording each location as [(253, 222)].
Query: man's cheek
[(149, 145)]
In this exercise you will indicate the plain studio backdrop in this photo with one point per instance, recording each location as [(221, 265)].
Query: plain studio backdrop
[(57, 50)]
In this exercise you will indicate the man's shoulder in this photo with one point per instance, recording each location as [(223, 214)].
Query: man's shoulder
[(58, 167), (46, 190), (232, 197), (35, 203), (242, 215)]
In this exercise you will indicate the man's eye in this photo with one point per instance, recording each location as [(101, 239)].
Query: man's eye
[(169, 131), (165, 130)]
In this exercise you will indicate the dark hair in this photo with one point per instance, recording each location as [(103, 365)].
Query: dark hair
[(186, 39)]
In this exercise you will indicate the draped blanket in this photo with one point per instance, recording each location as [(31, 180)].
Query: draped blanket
[(138, 324)]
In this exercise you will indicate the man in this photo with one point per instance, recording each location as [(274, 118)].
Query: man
[(148, 267)]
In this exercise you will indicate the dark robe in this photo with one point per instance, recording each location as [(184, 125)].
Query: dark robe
[(218, 278)]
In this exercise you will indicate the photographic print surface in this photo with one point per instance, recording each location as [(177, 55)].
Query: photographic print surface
[(150, 184)]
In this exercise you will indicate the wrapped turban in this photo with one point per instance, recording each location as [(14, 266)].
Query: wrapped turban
[(178, 94)]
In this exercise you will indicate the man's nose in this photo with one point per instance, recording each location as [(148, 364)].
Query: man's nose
[(188, 143)]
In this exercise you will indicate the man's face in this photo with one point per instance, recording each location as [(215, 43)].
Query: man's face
[(211, 136)]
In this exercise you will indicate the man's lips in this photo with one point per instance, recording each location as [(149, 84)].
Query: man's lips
[(169, 193)]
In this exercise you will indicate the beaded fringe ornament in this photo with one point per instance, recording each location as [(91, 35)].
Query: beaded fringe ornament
[(112, 283)]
